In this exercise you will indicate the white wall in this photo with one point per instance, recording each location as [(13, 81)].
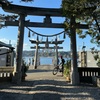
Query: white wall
[(91, 62)]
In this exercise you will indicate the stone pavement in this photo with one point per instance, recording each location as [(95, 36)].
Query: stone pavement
[(40, 84)]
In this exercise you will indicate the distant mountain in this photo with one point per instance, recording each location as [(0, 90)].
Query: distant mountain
[(28, 53), (46, 53)]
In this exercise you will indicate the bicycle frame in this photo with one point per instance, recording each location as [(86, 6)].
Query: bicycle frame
[(57, 69)]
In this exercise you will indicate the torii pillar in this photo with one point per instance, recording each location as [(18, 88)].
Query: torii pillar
[(18, 74), (36, 55), (74, 67), (56, 47)]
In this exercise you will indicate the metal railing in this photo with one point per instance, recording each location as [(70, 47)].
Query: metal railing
[(6, 73), (85, 74)]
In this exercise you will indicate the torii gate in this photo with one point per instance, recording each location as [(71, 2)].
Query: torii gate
[(37, 42), (23, 11)]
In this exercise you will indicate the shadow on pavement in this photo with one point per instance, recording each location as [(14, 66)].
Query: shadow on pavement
[(47, 89)]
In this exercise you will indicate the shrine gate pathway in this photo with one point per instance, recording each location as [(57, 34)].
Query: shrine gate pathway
[(40, 84)]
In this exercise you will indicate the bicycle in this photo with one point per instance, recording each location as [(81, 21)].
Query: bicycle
[(57, 69)]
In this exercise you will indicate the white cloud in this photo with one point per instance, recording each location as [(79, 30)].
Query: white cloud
[(7, 41), (26, 46), (4, 40), (14, 43)]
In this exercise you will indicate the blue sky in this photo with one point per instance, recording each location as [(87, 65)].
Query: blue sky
[(10, 33)]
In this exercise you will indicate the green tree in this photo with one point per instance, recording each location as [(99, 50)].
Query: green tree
[(83, 10)]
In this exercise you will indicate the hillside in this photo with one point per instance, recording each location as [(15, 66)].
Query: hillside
[(46, 54)]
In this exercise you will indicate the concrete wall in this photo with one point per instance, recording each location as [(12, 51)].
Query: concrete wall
[(91, 62)]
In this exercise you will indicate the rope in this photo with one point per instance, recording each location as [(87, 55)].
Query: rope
[(44, 35)]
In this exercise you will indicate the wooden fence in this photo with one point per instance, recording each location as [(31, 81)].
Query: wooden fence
[(85, 74), (6, 73)]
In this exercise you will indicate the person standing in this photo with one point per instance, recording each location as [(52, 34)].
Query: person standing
[(58, 62), (62, 62)]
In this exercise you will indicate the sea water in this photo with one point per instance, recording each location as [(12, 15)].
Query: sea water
[(42, 60)]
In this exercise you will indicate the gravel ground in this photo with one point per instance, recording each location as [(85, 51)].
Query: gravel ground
[(40, 84)]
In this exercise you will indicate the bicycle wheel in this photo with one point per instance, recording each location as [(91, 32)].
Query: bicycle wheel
[(55, 71)]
